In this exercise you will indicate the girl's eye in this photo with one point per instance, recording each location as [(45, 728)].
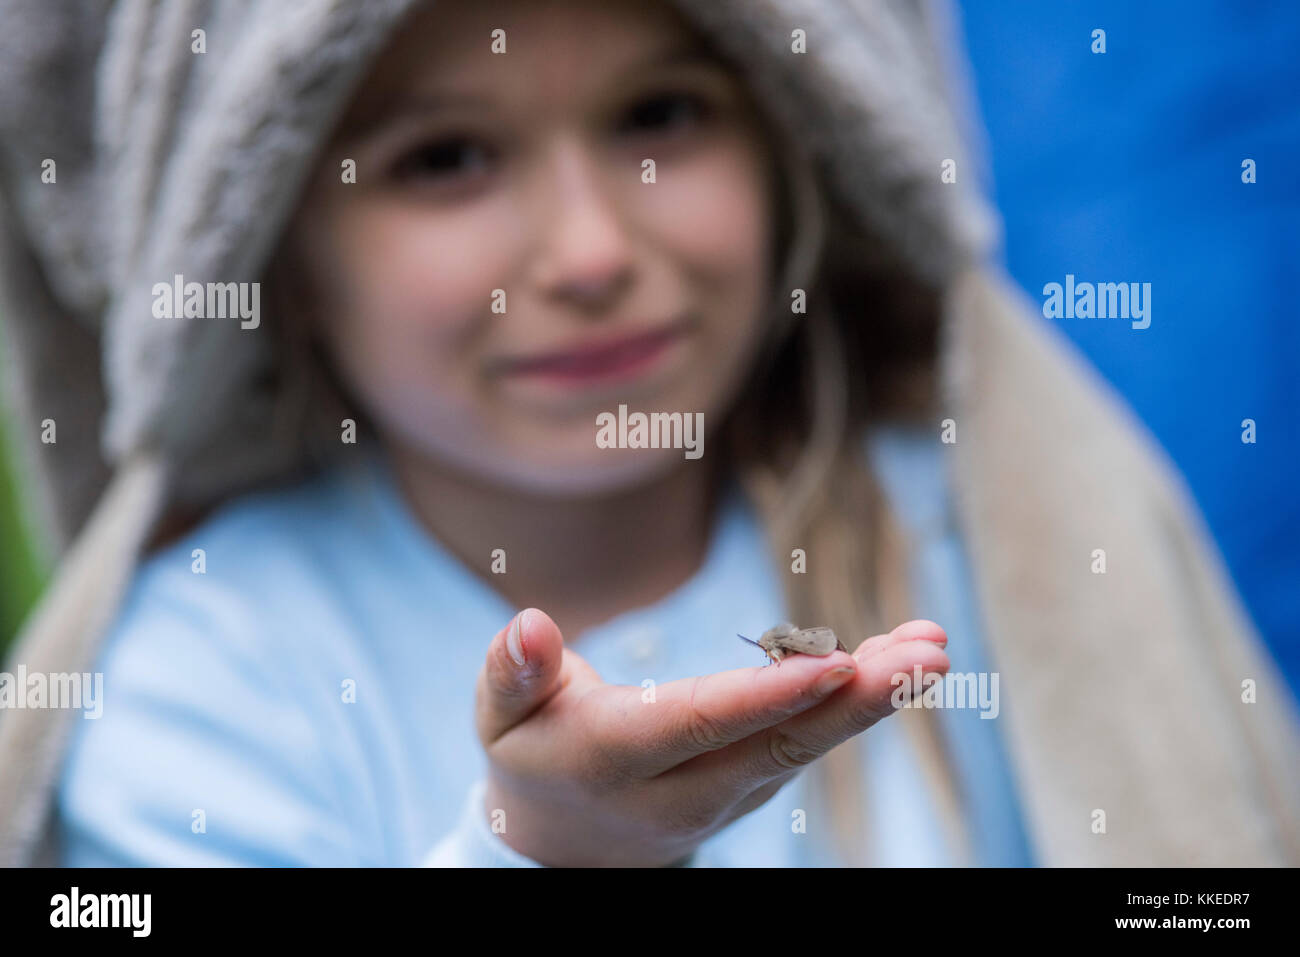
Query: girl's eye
[(445, 159), (664, 113)]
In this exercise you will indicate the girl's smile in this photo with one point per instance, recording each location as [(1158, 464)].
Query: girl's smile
[(593, 365)]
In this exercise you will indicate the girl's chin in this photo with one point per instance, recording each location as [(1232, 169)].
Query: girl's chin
[(594, 471)]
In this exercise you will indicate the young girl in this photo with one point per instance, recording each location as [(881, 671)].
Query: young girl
[(398, 604)]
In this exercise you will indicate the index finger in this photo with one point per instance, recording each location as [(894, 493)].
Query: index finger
[(780, 751), (692, 716)]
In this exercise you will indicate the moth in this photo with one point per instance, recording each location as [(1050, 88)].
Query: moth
[(785, 639)]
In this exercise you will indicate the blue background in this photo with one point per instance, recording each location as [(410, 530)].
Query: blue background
[(1126, 166)]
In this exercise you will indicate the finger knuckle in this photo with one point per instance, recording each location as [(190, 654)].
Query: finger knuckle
[(866, 715), (703, 731), (704, 734), (789, 752)]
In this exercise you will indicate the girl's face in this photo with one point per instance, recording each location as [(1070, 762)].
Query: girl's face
[(501, 272)]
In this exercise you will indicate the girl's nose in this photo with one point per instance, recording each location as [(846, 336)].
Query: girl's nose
[(583, 253)]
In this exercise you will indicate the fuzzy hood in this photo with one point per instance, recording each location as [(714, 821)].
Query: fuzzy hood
[(171, 162)]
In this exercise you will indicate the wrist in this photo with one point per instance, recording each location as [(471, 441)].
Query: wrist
[(570, 837)]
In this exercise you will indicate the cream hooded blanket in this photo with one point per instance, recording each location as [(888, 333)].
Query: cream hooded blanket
[(1123, 691)]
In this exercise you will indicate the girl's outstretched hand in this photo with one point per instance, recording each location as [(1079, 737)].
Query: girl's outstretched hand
[(590, 774)]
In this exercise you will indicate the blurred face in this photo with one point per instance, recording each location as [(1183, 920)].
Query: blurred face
[(501, 271)]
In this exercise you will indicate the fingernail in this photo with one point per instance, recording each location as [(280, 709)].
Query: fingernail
[(835, 678), (515, 644)]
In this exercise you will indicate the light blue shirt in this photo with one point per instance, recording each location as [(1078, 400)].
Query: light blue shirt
[(308, 699)]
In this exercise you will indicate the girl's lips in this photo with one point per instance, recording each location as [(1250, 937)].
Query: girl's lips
[(604, 361)]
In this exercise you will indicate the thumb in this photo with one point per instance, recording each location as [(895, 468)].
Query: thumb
[(522, 670)]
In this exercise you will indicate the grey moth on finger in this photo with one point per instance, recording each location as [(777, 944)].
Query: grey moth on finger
[(785, 640)]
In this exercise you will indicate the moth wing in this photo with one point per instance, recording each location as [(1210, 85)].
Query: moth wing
[(814, 641), (779, 632)]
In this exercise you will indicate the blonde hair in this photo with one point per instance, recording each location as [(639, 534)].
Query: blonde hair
[(796, 438)]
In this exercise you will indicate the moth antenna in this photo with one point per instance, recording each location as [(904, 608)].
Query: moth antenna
[(751, 641)]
